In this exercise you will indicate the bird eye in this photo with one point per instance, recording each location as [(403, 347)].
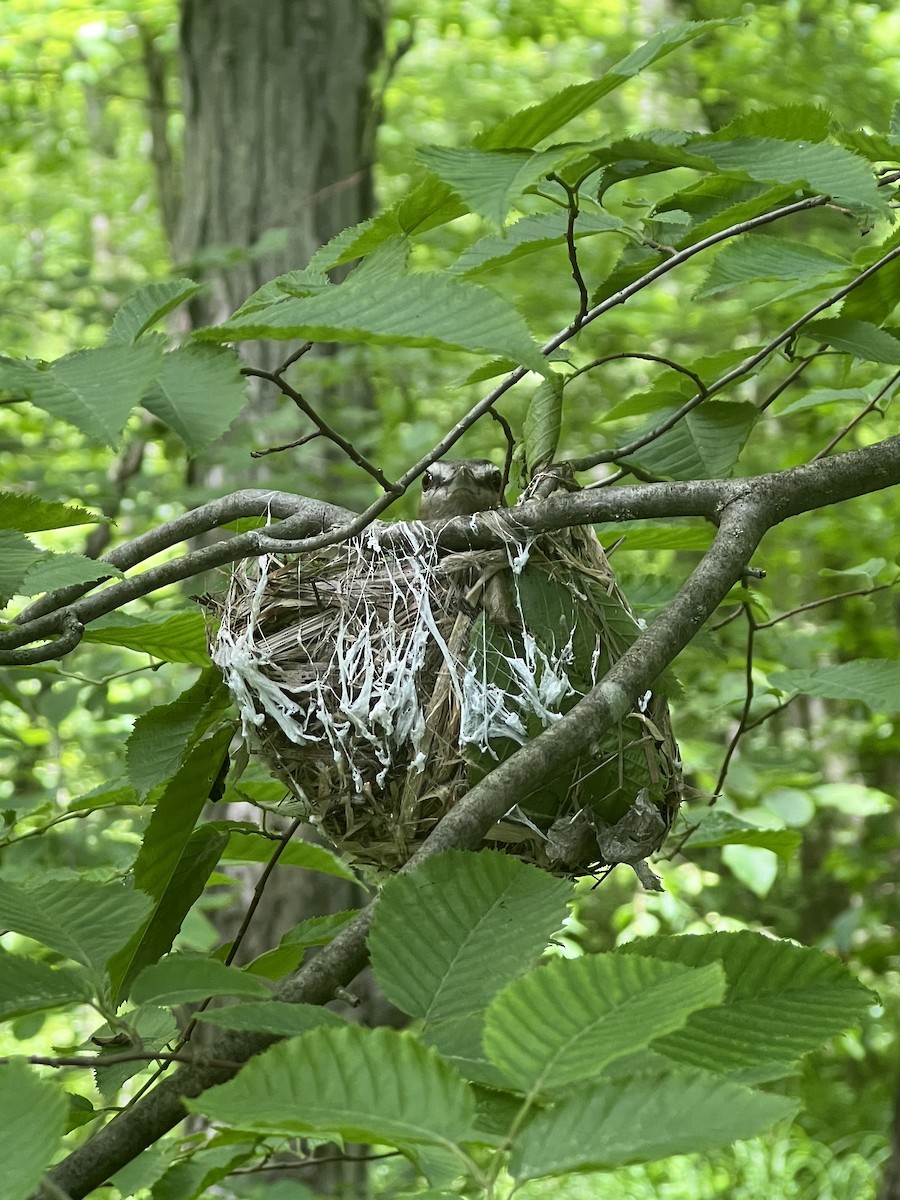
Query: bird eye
[(427, 481), (496, 478)]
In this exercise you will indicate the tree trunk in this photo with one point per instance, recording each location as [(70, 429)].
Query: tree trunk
[(278, 142), (278, 132)]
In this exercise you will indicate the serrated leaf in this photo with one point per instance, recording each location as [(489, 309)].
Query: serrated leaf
[(272, 1016), (319, 931), (256, 848), (29, 513), (787, 122), (179, 979), (61, 570), (161, 737), (147, 306), (859, 338), (529, 235), (434, 930), (562, 1023), (489, 181), (432, 203), (151, 1029), (94, 390), (543, 422), (829, 169), (705, 444), (782, 1001), (28, 985), (173, 637), (381, 303), (760, 257), (79, 919), (199, 392), (32, 1123), (640, 1120), (874, 682), (531, 125), (368, 1085), (17, 556), (175, 860)]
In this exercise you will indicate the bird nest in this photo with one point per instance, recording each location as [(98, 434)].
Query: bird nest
[(381, 678)]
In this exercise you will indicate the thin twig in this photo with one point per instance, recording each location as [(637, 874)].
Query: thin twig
[(738, 372), (572, 215), (868, 591), (745, 713), (324, 428), (842, 433), (647, 357)]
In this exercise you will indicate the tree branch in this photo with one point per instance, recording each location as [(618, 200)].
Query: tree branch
[(747, 511), (797, 490)]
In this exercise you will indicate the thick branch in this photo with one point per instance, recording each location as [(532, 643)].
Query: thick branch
[(314, 525), (743, 524)]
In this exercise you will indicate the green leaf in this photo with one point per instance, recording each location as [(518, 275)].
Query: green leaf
[(705, 444), (160, 738), (319, 931), (257, 848), (725, 829), (150, 1030), (531, 125), (147, 306), (543, 422), (60, 570), (272, 1016), (787, 122), (368, 1085), (199, 392), (17, 556), (94, 390), (782, 1001), (381, 303), (28, 985), (435, 929), (855, 799), (874, 682), (179, 979), (81, 920), (528, 236), (562, 1023), (760, 257), (642, 1119), (173, 636), (175, 860), (489, 181), (32, 1123), (647, 535), (29, 513), (432, 203), (828, 169), (862, 339)]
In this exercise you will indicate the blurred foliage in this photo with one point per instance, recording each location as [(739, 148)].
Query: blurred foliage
[(82, 229)]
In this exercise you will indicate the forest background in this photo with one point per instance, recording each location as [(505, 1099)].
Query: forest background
[(98, 202)]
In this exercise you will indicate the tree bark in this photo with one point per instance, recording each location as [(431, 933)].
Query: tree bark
[(278, 134)]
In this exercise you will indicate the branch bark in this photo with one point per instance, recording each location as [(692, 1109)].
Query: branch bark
[(309, 525), (745, 510)]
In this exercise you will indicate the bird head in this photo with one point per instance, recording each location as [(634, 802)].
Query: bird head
[(457, 489)]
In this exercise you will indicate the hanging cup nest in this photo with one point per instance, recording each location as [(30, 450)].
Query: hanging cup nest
[(381, 681)]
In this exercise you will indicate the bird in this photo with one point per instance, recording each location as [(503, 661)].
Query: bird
[(458, 488)]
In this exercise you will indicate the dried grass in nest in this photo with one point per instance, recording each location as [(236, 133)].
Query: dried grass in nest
[(379, 682)]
